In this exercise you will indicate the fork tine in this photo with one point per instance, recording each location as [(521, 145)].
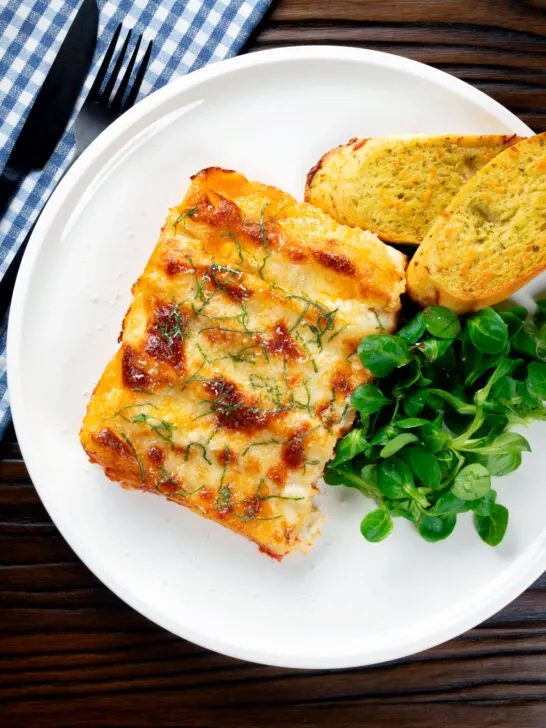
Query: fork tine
[(115, 106), (112, 78), (95, 88), (133, 93)]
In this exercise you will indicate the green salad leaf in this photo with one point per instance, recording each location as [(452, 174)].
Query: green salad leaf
[(491, 528), (377, 525), (368, 399), (434, 427), (441, 322), (382, 353)]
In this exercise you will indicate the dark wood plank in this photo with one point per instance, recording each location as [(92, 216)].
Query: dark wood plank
[(73, 654), (521, 15), (497, 45)]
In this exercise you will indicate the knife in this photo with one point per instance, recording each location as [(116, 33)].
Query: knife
[(54, 103)]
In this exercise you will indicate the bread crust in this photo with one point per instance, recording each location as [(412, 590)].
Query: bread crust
[(491, 239), (396, 186)]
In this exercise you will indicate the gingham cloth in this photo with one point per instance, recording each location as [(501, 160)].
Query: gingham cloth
[(186, 34)]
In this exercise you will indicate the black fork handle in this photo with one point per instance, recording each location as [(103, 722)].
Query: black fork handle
[(9, 184), (8, 281)]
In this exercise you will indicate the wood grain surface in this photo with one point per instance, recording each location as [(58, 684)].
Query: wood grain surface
[(72, 654)]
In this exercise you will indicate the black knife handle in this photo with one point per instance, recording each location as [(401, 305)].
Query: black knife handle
[(9, 183)]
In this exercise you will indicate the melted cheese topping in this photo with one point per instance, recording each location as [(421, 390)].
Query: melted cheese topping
[(238, 355)]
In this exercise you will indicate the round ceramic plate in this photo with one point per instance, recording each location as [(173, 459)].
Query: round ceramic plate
[(270, 116)]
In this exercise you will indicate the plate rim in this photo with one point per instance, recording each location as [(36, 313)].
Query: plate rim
[(505, 593)]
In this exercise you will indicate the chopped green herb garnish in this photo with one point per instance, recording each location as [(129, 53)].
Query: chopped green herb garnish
[(130, 406), (263, 237), (249, 517), (379, 323), (259, 444), (199, 446), (205, 357), (223, 499), (305, 345), (324, 323), (142, 471), (184, 216), (232, 237), (338, 332), (165, 477), (160, 426), (171, 329), (252, 505)]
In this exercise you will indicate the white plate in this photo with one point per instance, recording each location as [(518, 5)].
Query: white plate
[(269, 115)]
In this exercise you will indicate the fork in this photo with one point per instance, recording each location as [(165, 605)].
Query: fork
[(100, 109)]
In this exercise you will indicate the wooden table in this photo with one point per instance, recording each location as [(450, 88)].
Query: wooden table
[(72, 654)]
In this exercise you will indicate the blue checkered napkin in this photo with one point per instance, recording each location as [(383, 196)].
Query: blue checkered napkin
[(187, 35)]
